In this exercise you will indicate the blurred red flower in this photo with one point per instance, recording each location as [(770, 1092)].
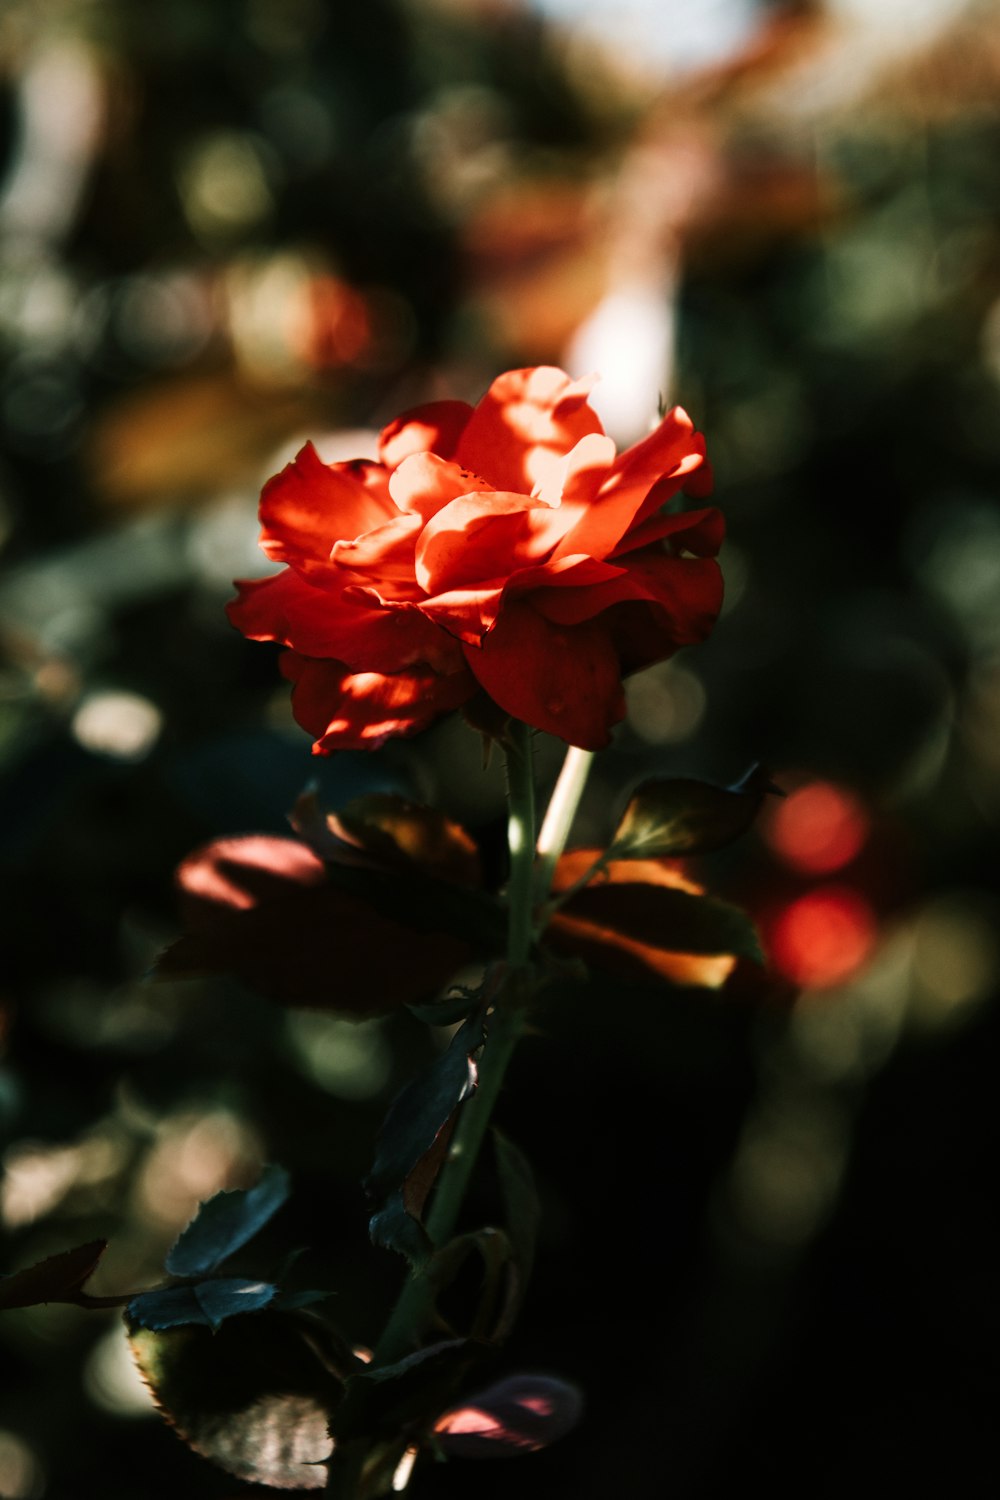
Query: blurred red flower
[(503, 547)]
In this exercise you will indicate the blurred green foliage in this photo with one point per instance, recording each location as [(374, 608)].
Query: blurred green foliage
[(766, 1250)]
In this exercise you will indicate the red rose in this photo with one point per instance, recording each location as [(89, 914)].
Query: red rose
[(502, 547)]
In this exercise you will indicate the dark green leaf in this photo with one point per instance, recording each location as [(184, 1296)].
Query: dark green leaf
[(395, 1229), (289, 1301), (455, 1006), (255, 1398), (226, 1222), (206, 1302), (411, 1129), (431, 1356), (60, 1278), (678, 816)]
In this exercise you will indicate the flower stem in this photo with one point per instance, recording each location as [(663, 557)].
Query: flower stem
[(411, 1313), (559, 816), (521, 842)]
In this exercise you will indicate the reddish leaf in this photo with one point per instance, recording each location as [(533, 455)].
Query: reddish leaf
[(642, 917), (518, 1415), (262, 908), (60, 1278), (398, 830)]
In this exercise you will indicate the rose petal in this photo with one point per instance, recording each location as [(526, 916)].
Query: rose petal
[(573, 479), (345, 625), (434, 428), (699, 531), (673, 450), (643, 479), (526, 418), (310, 505), (386, 551), (467, 614), (564, 681), (347, 710), (484, 536), (686, 593), (424, 483)]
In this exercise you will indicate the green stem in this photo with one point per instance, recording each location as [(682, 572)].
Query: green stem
[(521, 842), (411, 1313)]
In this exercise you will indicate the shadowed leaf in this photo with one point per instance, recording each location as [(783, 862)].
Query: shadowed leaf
[(639, 918), (518, 1415), (485, 1310), (394, 1229), (670, 919), (255, 1397), (206, 1302), (409, 862), (60, 1278), (412, 1388), (399, 831), (291, 1301), (456, 1005), (269, 911), (410, 1136), (226, 1222), (680, 816)]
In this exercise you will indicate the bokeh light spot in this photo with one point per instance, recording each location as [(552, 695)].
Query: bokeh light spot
[(818, 828), (823, 936), (111, 1378), (665, 704), (348, 1059), (20, 1472), (124, 726)]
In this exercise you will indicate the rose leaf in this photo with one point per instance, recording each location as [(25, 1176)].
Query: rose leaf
[(676, 816), (480, 1302), (254, 1397), (206, 1302), (665, 919), (410, 1389), (59, 1278), (226, 1222), (518, 1415), (401, 832), (416, 1119)]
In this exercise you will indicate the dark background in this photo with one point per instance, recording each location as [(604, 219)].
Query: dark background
[(767, 1254)]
